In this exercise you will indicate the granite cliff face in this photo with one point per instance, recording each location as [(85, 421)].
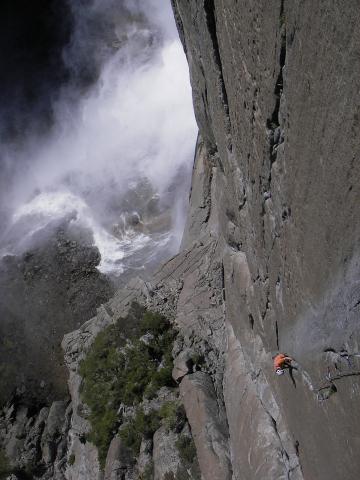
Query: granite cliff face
[(276, 95), (269, 260)]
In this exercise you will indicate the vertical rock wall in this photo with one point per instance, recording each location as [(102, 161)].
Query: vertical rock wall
[(276, 95)]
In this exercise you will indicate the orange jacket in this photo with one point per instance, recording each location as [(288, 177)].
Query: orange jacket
[(281, 360)]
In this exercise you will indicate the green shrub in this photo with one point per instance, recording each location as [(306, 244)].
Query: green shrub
[(173, 415), (103, 429), (71, 459), (186, 448), (154, 323), (116, 371), (141, 426)]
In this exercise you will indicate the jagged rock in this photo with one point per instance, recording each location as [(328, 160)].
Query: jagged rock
[(46, 292), (207, 426), (183, 364), (119, 461), (17, 433), (162, 295), (85, 465), (53, 431), (145, 461), (197, 221), (36, 441), (163, 396), (165, 453)]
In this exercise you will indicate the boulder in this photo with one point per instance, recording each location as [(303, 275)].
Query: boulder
[(207, 426), (119, 460), (165, 453)]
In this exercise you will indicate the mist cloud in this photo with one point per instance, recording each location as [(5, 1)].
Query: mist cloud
[(123, 122)]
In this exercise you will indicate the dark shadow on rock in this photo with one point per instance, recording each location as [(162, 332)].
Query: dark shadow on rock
[(291, 374)]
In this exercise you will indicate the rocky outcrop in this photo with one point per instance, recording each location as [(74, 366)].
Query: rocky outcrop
[(85, 464), (165, 454), (35, 443), (208, 426), (47, 291), (161, 297), (119, 461)]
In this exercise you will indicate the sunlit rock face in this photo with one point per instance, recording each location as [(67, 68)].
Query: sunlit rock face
[(276, 94)]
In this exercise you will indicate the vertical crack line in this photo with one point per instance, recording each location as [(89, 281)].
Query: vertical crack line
[(280, 81), (277, 334), (285, 455), (208, 200), (273, 123), (297, 448), (223, 281), (209, 8)]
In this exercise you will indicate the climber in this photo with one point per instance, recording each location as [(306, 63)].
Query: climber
[(281, 361)]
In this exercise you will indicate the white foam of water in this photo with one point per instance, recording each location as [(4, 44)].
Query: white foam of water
[(47, 206), (136, 122)]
